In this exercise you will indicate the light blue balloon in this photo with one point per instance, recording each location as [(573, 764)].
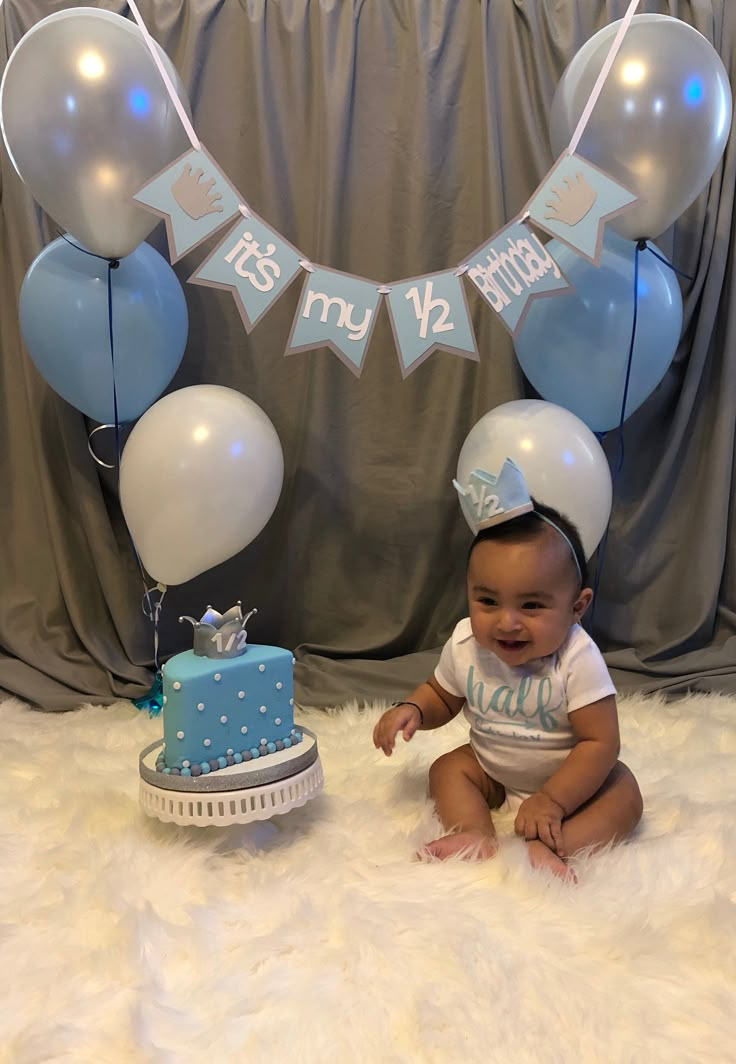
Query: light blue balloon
[(574, 348), (64, 321)]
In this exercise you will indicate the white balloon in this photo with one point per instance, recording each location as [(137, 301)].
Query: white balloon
[(200, 477), (563, 464), (87, 121)]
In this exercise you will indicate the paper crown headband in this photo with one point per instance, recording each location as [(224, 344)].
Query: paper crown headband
[(487, 500)]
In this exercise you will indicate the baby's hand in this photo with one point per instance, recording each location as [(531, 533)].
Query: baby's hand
[(402, 718), (540, 817)]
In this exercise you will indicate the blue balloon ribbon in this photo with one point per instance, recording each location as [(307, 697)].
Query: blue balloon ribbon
[(153, 700), (641, 246)]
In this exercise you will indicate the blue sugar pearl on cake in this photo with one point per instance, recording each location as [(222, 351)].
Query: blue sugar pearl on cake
[(271, 747), (287, 743), (255, 752), (222, 762), (186, 772), (238, 758), (205, 767)]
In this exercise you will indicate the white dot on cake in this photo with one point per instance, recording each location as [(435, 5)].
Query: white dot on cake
[(230, 752), (261, 668), (223, 720), (244, 730), (200, 706), (263, 709), (241, 694), (218, 676), (180, 735), (278, 720), (208, 742), (165, 700), (177, 686), (279, 685), (185, 764), (291, 701)]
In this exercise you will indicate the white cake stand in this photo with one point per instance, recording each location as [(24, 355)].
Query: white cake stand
[(239, 794)]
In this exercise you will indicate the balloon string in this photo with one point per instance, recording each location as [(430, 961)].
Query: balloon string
[(667, 262), (641, 245), (112, 264), (151, 610)]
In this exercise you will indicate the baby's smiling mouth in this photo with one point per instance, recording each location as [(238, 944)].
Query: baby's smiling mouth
[(512, 644)]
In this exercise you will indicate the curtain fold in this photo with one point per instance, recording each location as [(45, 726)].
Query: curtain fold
[(387, 139)]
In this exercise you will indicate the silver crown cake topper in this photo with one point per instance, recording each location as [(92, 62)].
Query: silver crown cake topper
[(220, 635), (487, 500)]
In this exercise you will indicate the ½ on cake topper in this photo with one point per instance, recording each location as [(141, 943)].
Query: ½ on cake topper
[(220, 635)]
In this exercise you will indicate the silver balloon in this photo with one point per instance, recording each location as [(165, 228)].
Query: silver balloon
[(87, 120), (661, 122)]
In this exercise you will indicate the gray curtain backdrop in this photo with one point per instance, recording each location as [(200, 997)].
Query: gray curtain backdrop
[(385, 138)]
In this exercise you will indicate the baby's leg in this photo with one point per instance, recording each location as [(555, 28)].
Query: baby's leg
[(609, 816), (464, 795)]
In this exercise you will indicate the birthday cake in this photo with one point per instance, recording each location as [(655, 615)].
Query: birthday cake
[(225, 702)]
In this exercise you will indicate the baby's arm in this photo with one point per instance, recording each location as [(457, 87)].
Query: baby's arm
[(429, 706), (581, 775)]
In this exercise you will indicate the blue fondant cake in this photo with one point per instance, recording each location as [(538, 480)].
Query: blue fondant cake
[(226, 701)]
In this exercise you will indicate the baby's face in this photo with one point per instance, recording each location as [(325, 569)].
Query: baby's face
[(524, 597)]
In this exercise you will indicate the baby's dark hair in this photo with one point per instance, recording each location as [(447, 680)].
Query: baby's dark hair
[(528, 526)]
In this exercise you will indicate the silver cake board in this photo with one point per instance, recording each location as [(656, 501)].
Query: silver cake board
[(238, 794)]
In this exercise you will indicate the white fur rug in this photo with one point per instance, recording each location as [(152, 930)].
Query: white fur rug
[(315, 937)]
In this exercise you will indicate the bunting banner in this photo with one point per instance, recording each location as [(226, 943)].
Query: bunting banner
[(574, 202), (253, 262), (193, 196), (512, 269), (336, 310), (429, 313)]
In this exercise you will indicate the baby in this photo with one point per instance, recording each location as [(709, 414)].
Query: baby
[(537, 695)]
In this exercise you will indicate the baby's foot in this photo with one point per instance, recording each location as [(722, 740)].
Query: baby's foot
[(540, 856), (472, 845)]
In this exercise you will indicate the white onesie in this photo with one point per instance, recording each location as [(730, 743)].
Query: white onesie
[(518, 716)]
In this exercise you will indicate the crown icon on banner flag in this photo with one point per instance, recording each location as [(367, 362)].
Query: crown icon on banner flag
[(488, 500)]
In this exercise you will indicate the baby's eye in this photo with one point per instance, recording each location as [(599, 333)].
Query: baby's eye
[(533, 606), (486, 600)]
